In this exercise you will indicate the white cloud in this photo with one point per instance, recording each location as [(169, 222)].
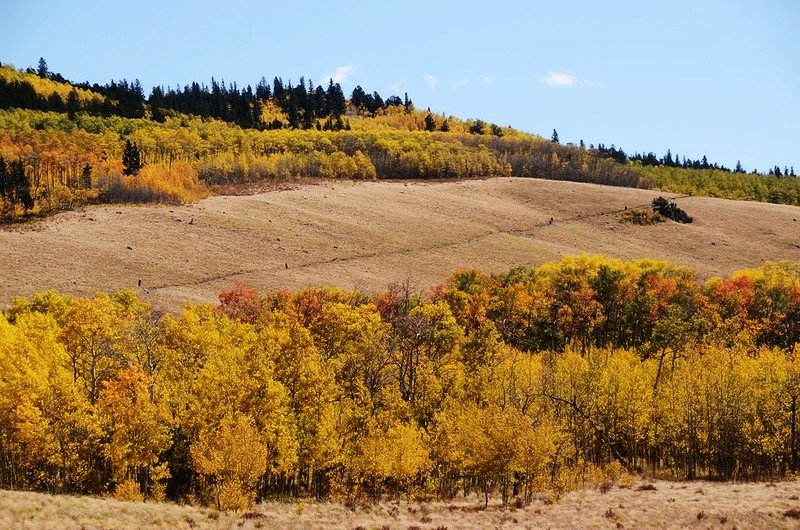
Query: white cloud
[(590, 83), (489, 80), (431, 80), (340, 73), (459, 83), (558, 79), (396, 88)]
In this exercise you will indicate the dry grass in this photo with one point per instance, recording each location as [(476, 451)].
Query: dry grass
[(369, 234), (670, 505)]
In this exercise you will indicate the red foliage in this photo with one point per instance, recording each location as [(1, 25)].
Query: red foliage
[(240, 303)]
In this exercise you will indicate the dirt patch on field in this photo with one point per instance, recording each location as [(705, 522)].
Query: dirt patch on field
[(367, 235)]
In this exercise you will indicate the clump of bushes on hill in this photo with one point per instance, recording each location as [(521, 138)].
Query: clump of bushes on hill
[(670, 210), (641, 216)]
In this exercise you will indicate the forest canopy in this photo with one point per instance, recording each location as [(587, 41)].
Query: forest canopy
[(534, 380), (65, 144)]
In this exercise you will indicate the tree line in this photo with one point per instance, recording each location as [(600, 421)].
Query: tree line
[(531, 381), (676, 161), (303, 105)]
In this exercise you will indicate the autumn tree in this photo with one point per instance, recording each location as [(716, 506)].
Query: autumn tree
[(230, 457)]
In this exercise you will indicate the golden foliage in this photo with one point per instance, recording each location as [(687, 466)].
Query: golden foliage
[(575, 373), (232, 457)]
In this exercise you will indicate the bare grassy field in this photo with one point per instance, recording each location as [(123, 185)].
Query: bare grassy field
[(366, 235), (669, 505)]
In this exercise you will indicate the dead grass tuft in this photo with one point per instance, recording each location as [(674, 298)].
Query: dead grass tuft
[(792, 513), (611, 514), (701, 515), (647, 487)]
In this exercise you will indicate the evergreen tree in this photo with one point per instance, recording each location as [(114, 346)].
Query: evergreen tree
[(430, 123), (358, 98), (377, 103), (42, 71), (554, 138), (73, 104), (477, 127), (20, 185), (335, 98), (445, 126), (130, 159), (739, 168), (263, 90), (86, 177)]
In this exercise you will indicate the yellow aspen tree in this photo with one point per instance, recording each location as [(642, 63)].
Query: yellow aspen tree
[(231, 457)]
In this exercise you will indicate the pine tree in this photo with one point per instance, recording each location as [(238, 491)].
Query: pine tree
[(358, 97), (430, 123), (130, 159), (86, 177), (554, 138), (739, 168), (73, 104), (42, 71), (445, 126), (20, 185)]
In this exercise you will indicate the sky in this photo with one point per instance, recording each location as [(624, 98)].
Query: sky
[(699, 77)]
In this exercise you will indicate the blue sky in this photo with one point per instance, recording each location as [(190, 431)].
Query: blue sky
[(720, 78)]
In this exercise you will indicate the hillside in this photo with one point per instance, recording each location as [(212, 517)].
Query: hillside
[(369, 234), (65, 144)]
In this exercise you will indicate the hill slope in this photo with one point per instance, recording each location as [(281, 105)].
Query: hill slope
[(366, 235)]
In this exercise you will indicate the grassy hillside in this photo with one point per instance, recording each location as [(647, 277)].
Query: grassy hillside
[(369, 234)]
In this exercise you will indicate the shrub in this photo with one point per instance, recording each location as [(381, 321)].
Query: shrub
[(641, 216), (670, 210)]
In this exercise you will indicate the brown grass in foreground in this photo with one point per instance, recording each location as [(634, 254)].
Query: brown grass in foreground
[(669, 505)]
